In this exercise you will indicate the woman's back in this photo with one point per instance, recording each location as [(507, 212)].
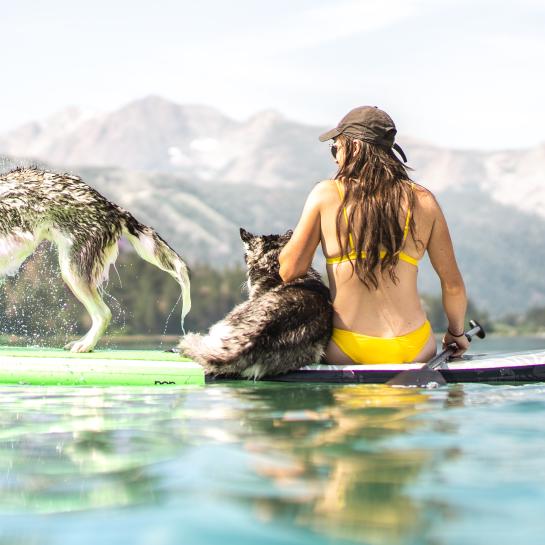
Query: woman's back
[(393, 308)]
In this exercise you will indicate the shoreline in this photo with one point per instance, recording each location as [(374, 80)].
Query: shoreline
[(169, 341)]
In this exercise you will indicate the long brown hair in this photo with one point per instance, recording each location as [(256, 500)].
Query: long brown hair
[(376, 187)]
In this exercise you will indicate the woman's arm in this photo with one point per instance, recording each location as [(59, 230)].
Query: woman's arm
[(296, 257), (443, 260)]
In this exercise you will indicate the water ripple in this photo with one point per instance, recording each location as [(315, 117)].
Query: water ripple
[(270, 463)]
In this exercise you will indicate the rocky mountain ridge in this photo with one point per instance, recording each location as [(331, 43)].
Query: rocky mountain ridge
[(221, 174), (202, 144)]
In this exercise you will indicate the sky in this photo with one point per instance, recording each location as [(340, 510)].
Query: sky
[(463, 74)]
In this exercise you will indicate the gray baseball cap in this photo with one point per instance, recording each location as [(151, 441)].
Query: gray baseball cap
[(370, 124)]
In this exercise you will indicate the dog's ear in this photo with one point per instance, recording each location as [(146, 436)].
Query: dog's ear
[(245, 235)]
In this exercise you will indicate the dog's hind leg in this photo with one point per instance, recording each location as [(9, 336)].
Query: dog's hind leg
[(14, 249), (89, 296)]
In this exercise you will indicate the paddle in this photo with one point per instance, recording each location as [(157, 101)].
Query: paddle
[(427, 373)]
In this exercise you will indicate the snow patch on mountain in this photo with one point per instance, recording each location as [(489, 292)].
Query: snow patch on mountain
[(204, 145)]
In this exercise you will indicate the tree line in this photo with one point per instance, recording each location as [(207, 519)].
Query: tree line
[(145, 300)]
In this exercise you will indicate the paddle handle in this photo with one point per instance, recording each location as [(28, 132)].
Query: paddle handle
[(476, 329)]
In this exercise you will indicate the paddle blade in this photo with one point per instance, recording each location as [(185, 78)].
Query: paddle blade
[(419, 378)]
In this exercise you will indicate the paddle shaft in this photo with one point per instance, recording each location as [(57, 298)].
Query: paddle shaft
[(427, 374), (443, 356)]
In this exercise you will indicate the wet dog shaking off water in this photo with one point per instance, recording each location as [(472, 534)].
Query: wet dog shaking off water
[(37, 205), (281, 327)]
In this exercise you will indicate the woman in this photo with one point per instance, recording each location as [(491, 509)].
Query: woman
[(375, 225)]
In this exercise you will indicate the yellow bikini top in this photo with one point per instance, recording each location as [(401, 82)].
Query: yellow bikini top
[(352, 254)]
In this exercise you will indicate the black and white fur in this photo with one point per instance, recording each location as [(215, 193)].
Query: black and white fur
[(37, 205), (281, 327)]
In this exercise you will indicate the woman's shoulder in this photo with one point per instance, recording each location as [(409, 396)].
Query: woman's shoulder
[(324, 190), (425, 198), (326, 185)]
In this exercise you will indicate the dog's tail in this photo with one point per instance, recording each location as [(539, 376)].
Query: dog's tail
[(219, 350), (151, 247)]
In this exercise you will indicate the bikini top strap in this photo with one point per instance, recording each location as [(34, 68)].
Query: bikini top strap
[(341, 195), (408, 219), (350, 238)]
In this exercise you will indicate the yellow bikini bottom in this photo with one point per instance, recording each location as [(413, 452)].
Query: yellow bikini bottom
[(366, 349)]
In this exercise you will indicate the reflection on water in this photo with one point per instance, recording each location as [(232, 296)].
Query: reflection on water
[(308, 457), (267, 463), (51, 438), (348, 485)]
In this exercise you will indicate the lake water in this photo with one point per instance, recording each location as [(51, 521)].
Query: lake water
[(273, 463)]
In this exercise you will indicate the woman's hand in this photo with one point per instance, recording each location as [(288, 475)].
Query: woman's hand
[(461, 342)]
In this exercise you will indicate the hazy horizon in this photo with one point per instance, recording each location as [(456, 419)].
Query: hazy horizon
[(88, 113)]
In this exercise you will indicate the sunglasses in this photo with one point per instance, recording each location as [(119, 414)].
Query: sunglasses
[(334, 148)]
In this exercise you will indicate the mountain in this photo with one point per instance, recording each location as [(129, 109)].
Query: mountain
[(498, 247), (511, 177), (201, 144), (36, 138), (499, 252), (196, 176), (149, 134), (153, 134)]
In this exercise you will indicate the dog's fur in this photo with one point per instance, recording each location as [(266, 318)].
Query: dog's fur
[(281, 327), (37, 205)]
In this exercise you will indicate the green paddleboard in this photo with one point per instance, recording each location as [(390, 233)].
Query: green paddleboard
[(52, 367)]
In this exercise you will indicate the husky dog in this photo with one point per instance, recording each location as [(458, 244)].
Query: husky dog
[(37, 205), (281, 327)]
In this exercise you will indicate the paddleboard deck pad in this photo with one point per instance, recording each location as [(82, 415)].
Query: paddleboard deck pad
[(522, 367), (47, 366)]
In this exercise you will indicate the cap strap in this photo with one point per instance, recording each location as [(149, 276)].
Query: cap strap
[(397, 147)]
